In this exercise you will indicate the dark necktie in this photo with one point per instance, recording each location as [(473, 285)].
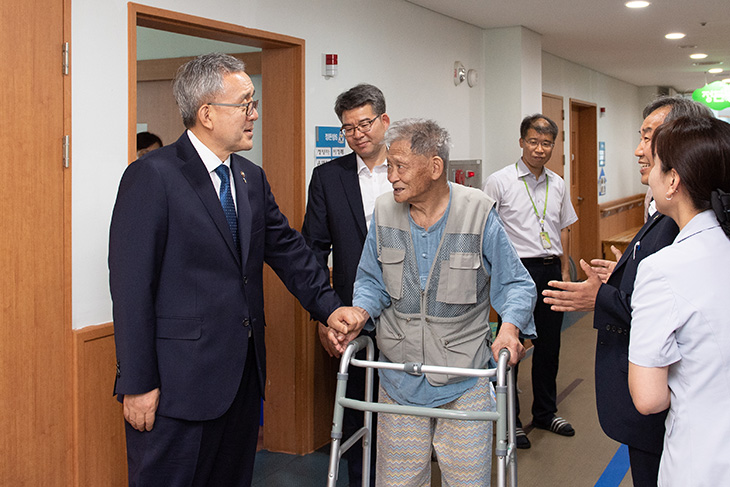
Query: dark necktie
[(229, 208)]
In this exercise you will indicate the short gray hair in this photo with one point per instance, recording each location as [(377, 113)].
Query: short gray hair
[(426, 137), (681, 107), (198, 81)]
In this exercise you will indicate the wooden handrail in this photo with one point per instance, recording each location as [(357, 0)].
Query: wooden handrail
[(619, 205)]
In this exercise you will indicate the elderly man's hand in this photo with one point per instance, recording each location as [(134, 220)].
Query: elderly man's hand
[(574, 296), (324, 338), (509, 338), (344, 325)]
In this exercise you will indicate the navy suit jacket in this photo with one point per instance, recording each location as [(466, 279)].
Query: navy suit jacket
[(612, 318), (335, 221), (184, 299)]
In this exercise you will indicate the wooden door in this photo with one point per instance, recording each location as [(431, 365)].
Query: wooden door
[(552, 107), (35, 328), (584, 241)]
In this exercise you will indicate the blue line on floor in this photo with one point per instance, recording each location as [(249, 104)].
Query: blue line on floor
[(616, 469)]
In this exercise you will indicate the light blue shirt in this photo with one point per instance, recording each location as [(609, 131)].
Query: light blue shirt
[(512, 294)]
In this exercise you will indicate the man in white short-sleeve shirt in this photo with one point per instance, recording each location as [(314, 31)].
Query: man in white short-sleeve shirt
[(535, 207)]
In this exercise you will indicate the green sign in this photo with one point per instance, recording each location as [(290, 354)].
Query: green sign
[(716, 95)]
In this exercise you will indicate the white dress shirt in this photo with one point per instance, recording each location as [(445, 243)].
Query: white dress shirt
[(211, 162), (520, 218), (372, 185)]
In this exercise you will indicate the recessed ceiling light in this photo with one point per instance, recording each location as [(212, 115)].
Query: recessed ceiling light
[(675, 35), (698, 55), (726, 81), (637, 4), (715, 70)]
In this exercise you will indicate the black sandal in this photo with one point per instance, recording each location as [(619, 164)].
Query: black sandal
[(557, 425)]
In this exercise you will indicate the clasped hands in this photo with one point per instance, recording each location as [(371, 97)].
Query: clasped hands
[(344, 325)]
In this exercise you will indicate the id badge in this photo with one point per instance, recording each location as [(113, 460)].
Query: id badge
[(545, 239)]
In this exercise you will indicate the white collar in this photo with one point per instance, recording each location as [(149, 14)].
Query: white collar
[(698, 224), (523, 170), (210, 160), (361, 167)]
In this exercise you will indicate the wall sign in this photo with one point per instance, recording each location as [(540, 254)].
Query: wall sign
[(716, 95), (329, 144), (601, 154), (602, 183)]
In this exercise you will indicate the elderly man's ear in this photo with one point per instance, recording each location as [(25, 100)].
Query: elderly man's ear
[(438, 168)]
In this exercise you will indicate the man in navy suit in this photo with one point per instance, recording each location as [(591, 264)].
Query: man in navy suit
[(608, 289), (341, 200), (192, 227)]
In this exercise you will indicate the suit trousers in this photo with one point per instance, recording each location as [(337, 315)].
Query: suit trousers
[(644, 467), (219, 452), (546, 352)]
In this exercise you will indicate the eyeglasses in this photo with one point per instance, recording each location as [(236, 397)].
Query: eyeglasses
[(248, 108), (532, 144), (364, 127)]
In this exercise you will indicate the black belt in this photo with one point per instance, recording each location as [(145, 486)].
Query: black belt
[(549, 260)]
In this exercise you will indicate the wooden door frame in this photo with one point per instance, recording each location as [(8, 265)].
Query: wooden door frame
[(70, 384), (557, 161), (584, 178), (289, 408)]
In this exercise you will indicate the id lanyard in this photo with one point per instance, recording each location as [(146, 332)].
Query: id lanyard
[(544, 237)]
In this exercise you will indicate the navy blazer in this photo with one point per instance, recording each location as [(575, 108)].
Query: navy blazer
[(335, 221), (184, 299), (612, 318)]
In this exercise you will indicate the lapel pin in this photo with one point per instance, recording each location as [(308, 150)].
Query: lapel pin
[(243, 175)]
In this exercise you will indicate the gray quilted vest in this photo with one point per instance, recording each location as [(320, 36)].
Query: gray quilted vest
[(447, 323)]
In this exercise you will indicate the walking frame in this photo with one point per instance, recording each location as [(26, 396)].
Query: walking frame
[(503, 416)]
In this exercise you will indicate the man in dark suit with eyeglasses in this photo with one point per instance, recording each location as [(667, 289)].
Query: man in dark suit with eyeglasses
[(192, 226), (342, 196)]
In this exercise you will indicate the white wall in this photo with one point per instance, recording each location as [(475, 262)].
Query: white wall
[(513, 78), (618, 128), (407, 51)]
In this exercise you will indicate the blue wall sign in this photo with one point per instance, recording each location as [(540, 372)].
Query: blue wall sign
[(329, 144)]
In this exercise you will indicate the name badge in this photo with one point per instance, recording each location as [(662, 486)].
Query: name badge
[(545, 239)]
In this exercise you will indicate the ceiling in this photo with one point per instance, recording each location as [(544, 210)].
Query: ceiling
[(608, 37)]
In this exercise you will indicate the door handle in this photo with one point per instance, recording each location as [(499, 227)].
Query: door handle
[(580, 198)]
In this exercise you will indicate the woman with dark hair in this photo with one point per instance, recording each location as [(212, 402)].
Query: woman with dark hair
[(679, 350)]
